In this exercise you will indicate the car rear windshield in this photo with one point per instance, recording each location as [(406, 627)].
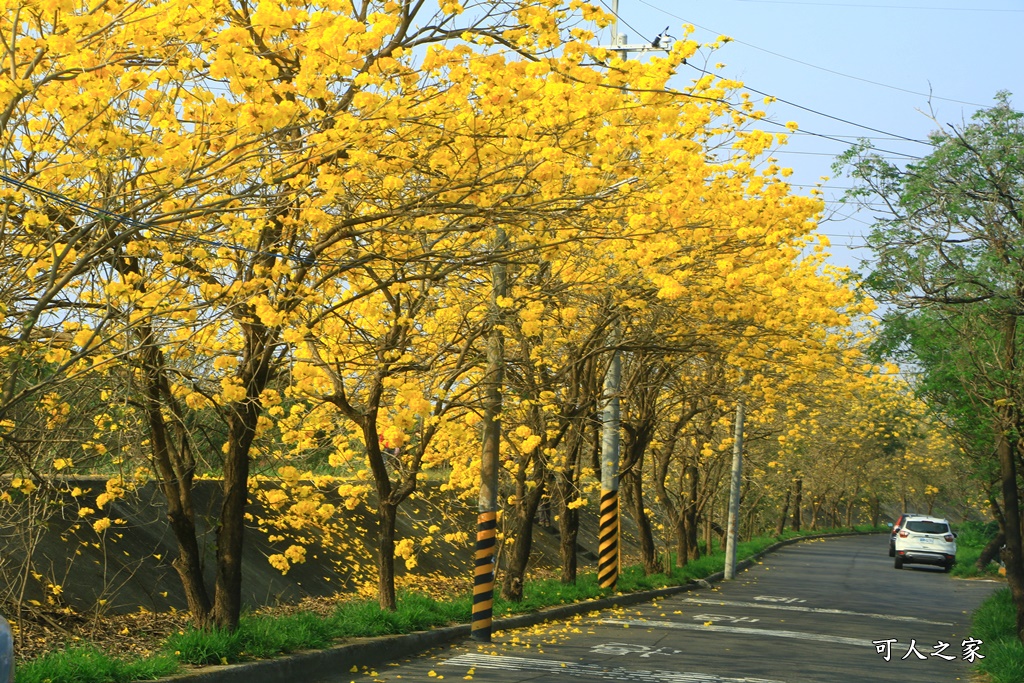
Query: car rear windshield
[(928, 527)]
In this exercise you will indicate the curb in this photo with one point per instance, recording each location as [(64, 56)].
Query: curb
[(336, 661)]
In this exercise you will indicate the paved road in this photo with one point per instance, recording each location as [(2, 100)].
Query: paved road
[(809, 614)]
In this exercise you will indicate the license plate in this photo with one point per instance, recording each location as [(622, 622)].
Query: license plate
[(926, 540)]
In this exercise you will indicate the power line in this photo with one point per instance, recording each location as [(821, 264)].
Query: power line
[(815, 66), (845, 142), (793, 104), (840, 119), (845, 4), (822, 154), (853, 137), (628, 25)]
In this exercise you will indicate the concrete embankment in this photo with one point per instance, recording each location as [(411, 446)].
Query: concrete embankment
[(128, 567)]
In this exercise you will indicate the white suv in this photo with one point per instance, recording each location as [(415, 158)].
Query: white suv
[(926, 540), (6, 652)]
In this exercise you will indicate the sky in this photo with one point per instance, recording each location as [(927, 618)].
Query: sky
[(855, 61)]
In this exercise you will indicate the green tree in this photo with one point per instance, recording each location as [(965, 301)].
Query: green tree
[(949, 250)]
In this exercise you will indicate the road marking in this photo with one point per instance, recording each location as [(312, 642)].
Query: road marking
[(777, 598), (800, 635), (724, 617), (815, 610), (631, 649), (551, 666)]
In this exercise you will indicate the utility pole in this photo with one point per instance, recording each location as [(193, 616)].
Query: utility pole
[(608, 529), (620, 42), (734, 488), (487, 519)]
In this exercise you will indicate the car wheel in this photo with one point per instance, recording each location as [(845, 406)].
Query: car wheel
[(946, 568), (892, 550), (898, 563)]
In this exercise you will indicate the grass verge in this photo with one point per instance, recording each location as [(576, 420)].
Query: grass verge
[(88, 664), (994, 624), (972, 537), (264, 636)]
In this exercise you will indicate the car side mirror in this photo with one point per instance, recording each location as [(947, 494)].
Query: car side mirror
[(954, 534)]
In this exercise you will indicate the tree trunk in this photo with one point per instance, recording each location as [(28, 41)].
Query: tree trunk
[(682, 543), (876, 511), (798, 497), (1013, 554), (833, 514), (519, 558), (568, 532), (227, 600), (386, 515), (708, 539), (567, 493), (1007, 452), (781, 526), (690, 512), (815, 508), (675, 526), (176, 484), (632, 486), (991, 551)]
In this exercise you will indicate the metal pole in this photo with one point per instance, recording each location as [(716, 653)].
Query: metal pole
[(608, 530), (615, 22), (734, 490), (487, 520)]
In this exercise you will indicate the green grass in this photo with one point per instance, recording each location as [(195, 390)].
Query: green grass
[(90, 665), (994, 623), (260, 637), (972, 537)]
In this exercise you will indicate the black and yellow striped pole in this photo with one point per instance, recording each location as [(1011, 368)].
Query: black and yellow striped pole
[(608, 528), (487, 521), (483, 576)]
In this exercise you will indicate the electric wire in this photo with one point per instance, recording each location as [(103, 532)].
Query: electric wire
[(815, 66), (628, 25), (842, 217), (840, 119), (808, 109), (847, 4)]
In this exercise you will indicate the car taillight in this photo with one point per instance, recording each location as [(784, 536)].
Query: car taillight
[(948, 538), (903, 534)]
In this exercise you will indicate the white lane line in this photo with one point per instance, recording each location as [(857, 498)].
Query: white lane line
[(551, 666), (815, 610), (800, 635)]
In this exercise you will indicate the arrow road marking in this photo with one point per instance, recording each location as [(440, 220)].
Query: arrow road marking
[(594, 671), (816, 610), (801, 635)]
